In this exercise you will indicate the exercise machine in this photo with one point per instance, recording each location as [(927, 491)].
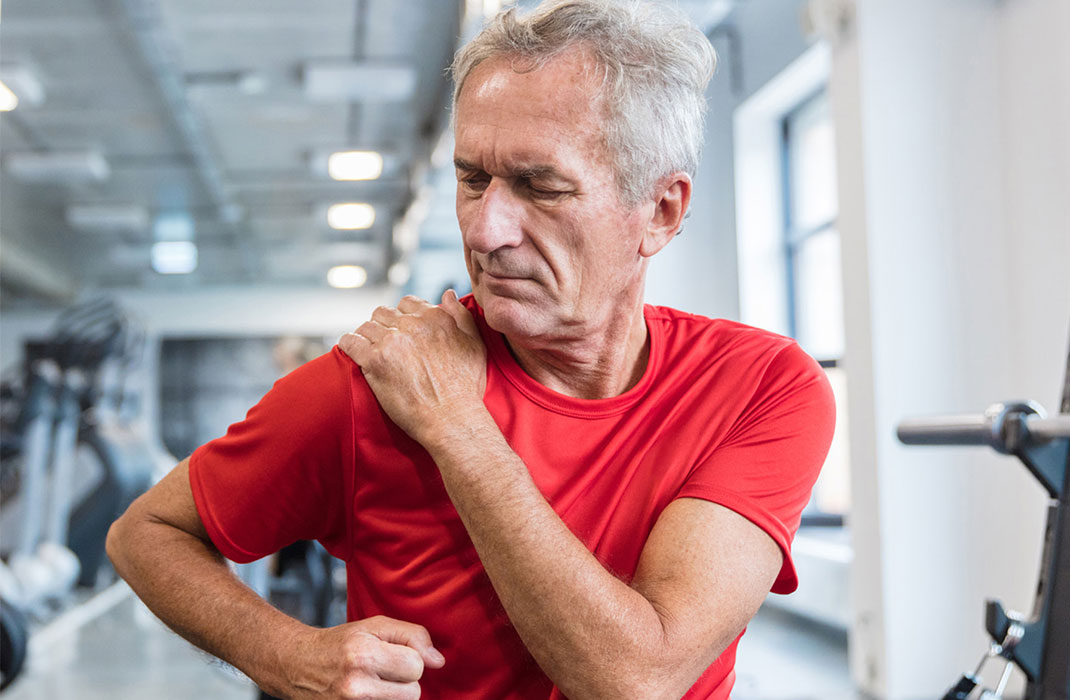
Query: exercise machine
[(1039, 645), (68, 466)]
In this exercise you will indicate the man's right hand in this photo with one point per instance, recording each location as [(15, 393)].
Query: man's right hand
[(378, 658)]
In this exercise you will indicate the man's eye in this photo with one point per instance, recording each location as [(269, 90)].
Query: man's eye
[(540, 193), (477, 184)]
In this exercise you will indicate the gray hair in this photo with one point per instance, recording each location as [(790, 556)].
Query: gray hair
[(656, 67)]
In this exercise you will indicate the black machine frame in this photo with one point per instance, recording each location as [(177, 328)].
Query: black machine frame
[(1040, 644)]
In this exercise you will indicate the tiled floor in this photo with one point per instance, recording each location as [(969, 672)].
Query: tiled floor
[(125, 653)]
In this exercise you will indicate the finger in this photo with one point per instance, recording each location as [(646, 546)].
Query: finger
[(385, 690), (354, 345), (461, 316), (373, 331), (410, 304), (399, 663), (411, 635), (386, 316)]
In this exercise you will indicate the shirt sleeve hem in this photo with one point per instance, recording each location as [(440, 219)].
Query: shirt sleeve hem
[(222, 542), (787, 580)]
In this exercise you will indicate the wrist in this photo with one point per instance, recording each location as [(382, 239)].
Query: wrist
[(460, 427), (283, 658)]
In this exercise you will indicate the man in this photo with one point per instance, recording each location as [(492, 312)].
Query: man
[(547, 489)]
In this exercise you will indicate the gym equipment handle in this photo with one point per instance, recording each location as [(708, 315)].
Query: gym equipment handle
[(987, 428), (946, 430)]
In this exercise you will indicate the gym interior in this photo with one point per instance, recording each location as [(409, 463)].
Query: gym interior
[(199, 197)]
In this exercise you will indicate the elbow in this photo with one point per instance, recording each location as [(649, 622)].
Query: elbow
[(117, 544), (656, 686), (113, 544), (651, 674), (648, 684)]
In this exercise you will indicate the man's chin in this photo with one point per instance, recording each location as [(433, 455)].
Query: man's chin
[(509, 316)]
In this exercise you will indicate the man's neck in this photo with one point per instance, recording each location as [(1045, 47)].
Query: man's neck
[(598, 365)]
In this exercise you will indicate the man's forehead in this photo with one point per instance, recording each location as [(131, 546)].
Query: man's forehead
[(517, 165), (570, 76)]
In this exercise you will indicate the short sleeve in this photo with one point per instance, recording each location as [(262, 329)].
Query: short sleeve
[(767, 464), (283, 473)]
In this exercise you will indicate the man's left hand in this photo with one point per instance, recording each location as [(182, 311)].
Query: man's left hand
[(426, 364)]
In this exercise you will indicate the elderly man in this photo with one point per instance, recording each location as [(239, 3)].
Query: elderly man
[(547, 488)]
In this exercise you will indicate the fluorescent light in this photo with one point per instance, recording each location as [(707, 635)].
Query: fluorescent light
[(355, 165), (350, 81), (347, 276), (64, 167), (108, 217), (8, 99), (174, 257), (350, 216)]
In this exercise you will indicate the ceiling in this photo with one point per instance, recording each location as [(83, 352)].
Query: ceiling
[(206, 111), (200, 111)]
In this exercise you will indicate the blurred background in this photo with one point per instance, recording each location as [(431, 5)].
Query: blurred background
[(197, 196)]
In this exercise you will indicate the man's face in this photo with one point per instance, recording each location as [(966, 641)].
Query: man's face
[(548, 245)]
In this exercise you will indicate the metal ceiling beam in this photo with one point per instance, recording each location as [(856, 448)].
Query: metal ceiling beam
[(143, 19)]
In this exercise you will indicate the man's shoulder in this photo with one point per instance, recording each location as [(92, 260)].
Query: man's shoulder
[(702, 334), (332, 379)]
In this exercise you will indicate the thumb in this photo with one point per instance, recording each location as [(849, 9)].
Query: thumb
[(461, 316), (408, 634)]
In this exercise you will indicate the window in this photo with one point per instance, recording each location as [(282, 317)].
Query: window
[(813, 279), (788, 243), (815, 302)]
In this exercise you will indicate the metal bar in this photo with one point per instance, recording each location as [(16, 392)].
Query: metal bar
[(1054, 428), (977, 429), (973, 429)]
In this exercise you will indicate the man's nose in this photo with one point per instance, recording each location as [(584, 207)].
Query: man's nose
[(497, 221)]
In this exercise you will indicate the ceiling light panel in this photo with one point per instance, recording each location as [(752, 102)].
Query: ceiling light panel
[(355, 165), (8, 99), (108, 218), (62, 167), (347, 276), (174, 257), (350, 216), (349, 81)]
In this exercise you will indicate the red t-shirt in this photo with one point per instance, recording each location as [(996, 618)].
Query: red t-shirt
[(723, 412)]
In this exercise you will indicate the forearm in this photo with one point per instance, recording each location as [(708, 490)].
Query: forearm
[(591, 633), (188, 585)]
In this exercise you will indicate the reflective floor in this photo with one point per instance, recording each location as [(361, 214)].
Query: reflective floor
[(118, 650)]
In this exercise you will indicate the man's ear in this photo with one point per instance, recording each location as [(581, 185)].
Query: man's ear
[(671, 197)]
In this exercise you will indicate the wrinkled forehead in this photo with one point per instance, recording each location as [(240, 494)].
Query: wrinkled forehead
[(568, 86)]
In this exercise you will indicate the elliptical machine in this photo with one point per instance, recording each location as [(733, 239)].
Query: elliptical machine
[(67, 466), (1040, 644)]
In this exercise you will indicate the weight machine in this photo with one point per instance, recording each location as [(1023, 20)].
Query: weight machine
[(1039, 645)]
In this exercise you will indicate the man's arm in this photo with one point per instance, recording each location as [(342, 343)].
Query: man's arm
[(702, 574), (161, 548)]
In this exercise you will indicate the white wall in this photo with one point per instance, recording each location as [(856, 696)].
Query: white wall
[(697, 271), (951, 122)]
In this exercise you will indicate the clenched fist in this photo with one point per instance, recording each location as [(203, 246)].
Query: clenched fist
[(374, 659)]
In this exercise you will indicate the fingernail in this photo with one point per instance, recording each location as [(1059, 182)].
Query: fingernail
[(436, 656)]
